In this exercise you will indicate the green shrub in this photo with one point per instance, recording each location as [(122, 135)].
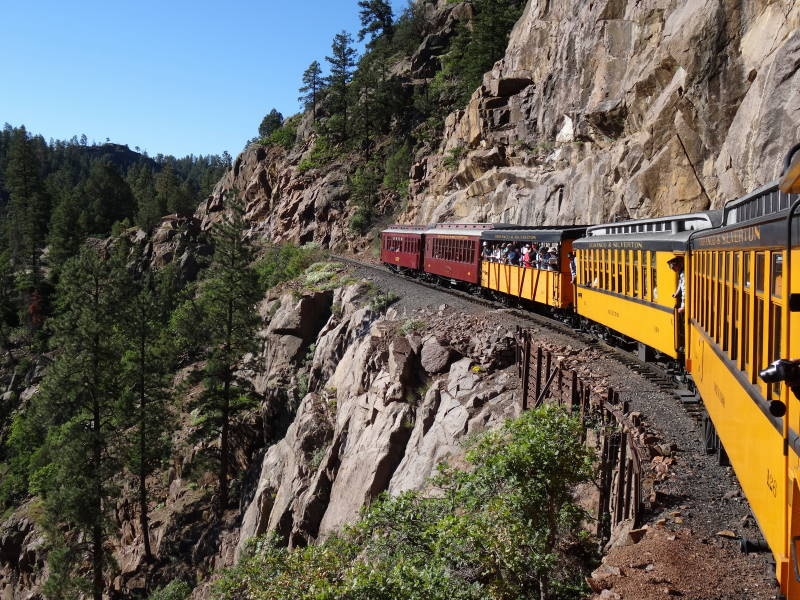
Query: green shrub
[(507, 528), (284, 136), (174, 590), (284, 262)]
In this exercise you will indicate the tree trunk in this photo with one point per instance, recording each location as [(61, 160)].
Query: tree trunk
[(143, 512)]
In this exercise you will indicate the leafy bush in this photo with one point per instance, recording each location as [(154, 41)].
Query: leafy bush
[(174, 590), (284, 136), (454, 155), (396, 172), (507, 528), (284, 262), (321, 154)]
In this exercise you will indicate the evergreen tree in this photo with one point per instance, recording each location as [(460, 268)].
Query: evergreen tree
[(141, 180), (167, 189), (79, 404), (342, 62), (107, 198), (477, 46), (29, 207), (146, 367), (313, 84), (376, 19), (66, 232), (224, 315), (271, 122)]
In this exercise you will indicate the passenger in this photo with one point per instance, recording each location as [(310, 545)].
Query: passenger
[(512, 256), (497, 253), (486, 252), (542, 258), (504, 256), (573, 267), (526, 256), (552, 261), (676, 264)]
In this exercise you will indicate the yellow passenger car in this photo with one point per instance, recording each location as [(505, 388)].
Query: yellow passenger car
[(626, 284), (743, 283), (531, 264)]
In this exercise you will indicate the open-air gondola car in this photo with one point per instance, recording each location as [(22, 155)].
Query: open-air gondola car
[(545, 282)]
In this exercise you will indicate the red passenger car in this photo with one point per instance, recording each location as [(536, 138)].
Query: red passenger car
[(453, 251), (401, 247)]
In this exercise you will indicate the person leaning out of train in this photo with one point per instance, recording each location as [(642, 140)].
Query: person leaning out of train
[(676, 264), (573, 267)]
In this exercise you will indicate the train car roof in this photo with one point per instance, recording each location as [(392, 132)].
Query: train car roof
[(643, 241), (534, 234), (670, 225), (467, 229), (662, 233), (762, 202), (406, 229)]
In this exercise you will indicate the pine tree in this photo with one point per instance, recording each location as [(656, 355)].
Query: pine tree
[(79, 401), (142, 183), (146, 362), (376, 20), (342, 62), (271, 122), (107, 198), (313, 84), (29, 207), (224, 315)]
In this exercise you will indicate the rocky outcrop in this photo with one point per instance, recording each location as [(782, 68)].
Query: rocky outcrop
[(375, 419), (621, 109), (22, 556)]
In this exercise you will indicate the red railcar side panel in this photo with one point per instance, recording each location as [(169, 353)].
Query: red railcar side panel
[(455, 257), (402, 250)]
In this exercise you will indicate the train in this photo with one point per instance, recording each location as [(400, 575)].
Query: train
[(715, 292)]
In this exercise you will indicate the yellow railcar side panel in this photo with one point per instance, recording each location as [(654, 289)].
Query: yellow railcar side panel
[(753, 444), (791, 350), (538, 285), (642, 322)]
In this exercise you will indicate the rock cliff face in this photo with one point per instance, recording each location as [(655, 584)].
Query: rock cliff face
[(622, 109), (602, 110), (384, 408)]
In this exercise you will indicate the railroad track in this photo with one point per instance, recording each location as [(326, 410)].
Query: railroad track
[(660, 375)]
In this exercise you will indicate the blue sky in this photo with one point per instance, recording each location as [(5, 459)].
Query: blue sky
[(171, 77)]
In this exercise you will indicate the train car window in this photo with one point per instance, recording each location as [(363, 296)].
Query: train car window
[(759, 271), (776, 275), (603, 268), (643, 275), (775, 346), (758, 343), (721, 316), (625, 265), (747, 332), (734, 350), (726, 293), (746, 270), (653, 280)]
